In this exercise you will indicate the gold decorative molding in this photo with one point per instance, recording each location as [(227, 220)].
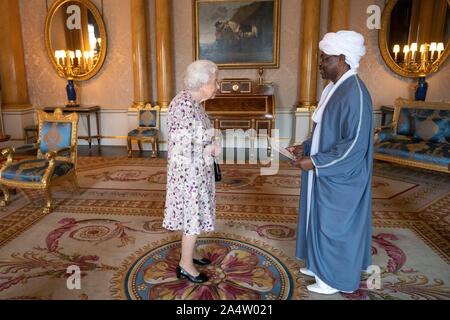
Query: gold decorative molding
[(411, 163), (306, 105), (138, 104)]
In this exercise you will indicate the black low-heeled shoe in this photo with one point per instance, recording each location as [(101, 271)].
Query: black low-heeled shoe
[(198, 279), (202, 261)]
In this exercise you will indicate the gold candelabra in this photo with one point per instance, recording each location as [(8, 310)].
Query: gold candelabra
[(74, 63), (423, 61)]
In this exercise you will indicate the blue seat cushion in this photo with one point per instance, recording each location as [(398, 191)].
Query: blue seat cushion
[(418, 150), (143, 133), (33, 170)]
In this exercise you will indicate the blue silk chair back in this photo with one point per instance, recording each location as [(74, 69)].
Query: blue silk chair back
[(148, 118), (58, 131), (55, 136)]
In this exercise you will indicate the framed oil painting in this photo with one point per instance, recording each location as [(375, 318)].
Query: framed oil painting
[(237, 34)]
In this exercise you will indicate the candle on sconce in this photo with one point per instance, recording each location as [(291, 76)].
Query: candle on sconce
[(413, 50), (86, 58), (63, 57), (57, 56), (422, 51), (405, 51), (78, 55), (433, 47), (396, 51), (440, 49), (71, 56)]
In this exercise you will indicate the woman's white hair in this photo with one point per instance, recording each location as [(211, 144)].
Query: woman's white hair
[(198, 74)]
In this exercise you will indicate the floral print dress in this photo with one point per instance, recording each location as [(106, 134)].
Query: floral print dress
[(191, 197)]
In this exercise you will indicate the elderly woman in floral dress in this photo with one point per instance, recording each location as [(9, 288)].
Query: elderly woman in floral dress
[(190, 199)]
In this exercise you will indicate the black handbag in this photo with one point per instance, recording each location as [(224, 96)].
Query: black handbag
[(217, 173)]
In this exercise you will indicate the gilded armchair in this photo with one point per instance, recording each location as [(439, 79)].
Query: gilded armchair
[(55, 161), (147, 130)]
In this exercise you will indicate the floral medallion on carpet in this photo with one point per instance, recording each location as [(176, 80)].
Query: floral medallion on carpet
[(238, 271)]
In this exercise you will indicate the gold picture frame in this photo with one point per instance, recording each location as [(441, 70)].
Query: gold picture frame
[(237, 34)]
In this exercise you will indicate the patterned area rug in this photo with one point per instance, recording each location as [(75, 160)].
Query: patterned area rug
[(112, 233)]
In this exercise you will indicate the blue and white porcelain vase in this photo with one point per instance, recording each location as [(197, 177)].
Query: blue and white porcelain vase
[(421, 91)]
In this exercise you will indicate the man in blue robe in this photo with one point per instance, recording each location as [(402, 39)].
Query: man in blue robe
[(334, 225)]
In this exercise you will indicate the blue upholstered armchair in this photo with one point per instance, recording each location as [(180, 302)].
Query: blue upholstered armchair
[(55, 161), (147, 129)]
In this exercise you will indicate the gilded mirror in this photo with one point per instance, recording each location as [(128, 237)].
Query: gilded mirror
[(415, 36), (75, 37)]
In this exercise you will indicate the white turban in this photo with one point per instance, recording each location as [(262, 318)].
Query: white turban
[(348, 43)]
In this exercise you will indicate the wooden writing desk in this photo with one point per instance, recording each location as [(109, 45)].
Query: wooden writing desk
[(243, 104)]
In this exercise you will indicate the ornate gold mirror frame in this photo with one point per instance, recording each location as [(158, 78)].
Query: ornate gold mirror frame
[(385, 50), (83, 66)]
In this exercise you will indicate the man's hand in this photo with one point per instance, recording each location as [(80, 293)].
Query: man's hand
[(304, 163), (296, 150)]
